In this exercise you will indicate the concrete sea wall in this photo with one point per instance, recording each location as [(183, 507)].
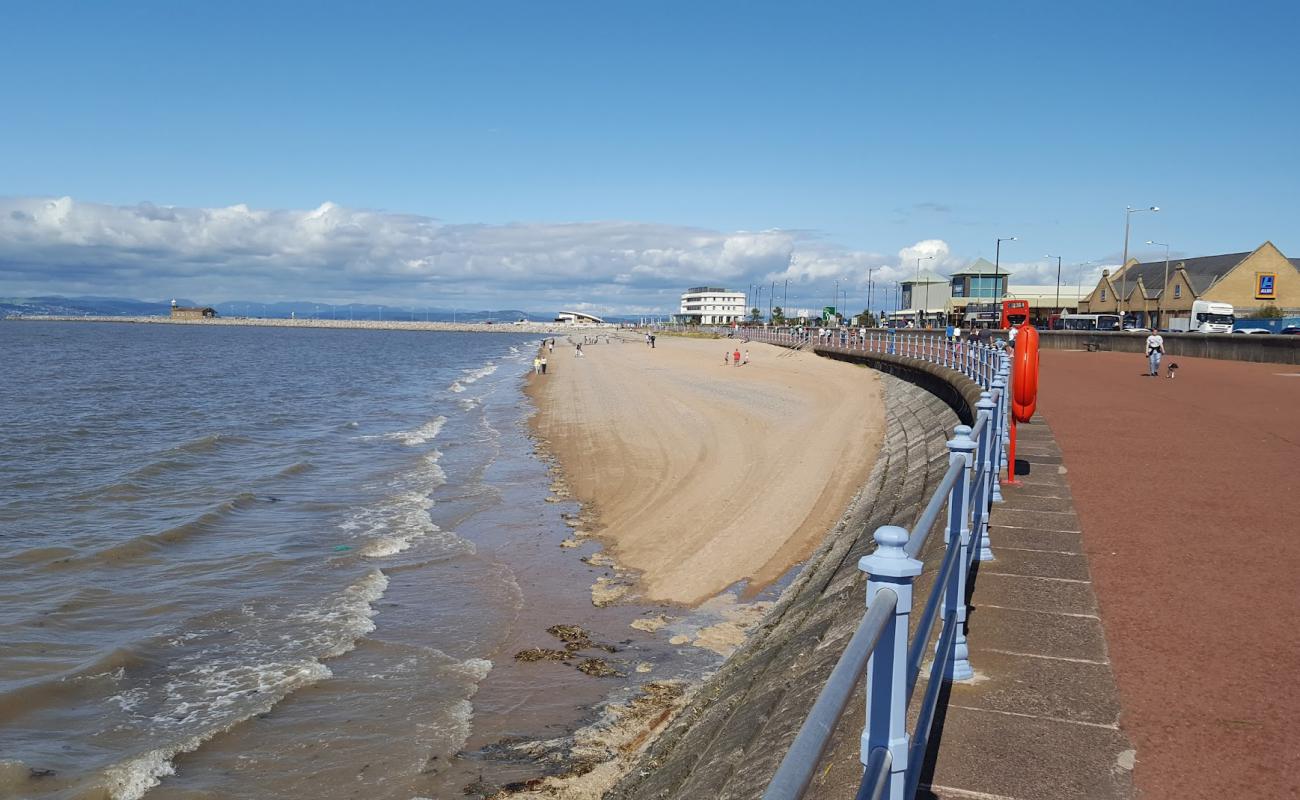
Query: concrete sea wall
[(728, 742), (1270, 348)]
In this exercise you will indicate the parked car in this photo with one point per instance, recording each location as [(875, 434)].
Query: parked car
[(1292, 330), (1251, 330)]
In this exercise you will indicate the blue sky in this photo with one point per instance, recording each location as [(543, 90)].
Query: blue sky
[(469, 149)]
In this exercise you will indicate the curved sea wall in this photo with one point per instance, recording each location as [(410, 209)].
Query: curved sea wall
[(728, 741)]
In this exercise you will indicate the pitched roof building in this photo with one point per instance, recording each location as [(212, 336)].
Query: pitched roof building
[(1249, 281)]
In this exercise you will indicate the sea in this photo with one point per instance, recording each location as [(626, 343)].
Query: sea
[(247, 562)]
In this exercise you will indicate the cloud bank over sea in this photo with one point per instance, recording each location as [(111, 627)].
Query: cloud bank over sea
[(336, 254)]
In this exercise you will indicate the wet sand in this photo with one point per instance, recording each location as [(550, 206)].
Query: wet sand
[(700, 475)]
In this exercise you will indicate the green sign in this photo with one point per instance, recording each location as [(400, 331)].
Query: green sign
[(828, 313)]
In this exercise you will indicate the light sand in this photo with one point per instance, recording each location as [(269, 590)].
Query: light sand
[(700, 475)]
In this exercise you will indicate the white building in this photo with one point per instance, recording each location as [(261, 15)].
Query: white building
[(707, 305)]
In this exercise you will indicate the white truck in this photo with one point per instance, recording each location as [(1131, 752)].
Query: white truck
[(1207, 317)]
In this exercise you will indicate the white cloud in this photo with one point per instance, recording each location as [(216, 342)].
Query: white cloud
[(337, 254), (331, 252)]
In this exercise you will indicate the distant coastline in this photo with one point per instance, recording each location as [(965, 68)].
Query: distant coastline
[(367, 324)]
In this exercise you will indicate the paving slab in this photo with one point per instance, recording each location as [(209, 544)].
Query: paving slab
[(1029, 758)]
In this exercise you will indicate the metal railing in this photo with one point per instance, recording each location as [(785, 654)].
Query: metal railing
[(883, 649)]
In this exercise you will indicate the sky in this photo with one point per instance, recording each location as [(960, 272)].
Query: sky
[(607, 156)]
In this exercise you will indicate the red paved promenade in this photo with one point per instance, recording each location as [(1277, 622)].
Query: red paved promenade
[(1188, 493)]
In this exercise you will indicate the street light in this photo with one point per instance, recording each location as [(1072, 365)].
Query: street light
[(1058, 280), (997, 275), (920, 319), (869, 287), (1123, 269), (1160, 307)]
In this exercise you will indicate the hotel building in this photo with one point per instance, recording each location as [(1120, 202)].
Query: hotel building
[(707, 305)]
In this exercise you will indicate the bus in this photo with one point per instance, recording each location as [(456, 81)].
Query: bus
[(1014, 312), (1089, 322)]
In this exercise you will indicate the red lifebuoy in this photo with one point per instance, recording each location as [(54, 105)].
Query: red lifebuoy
[(1024, 374)]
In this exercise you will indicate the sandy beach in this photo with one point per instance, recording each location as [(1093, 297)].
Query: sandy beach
[(698, 474)]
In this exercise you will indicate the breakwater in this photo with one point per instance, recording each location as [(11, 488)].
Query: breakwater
[(361, 324)]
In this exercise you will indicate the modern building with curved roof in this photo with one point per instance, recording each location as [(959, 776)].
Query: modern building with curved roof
[(572, 317)]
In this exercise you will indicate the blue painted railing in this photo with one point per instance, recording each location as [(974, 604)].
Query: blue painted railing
[(882, 647)]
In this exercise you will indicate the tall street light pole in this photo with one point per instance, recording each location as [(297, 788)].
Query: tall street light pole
[(1058, 280), (1160, 307), (997, 274), (920, 318), (869, 286), (1123, 269)]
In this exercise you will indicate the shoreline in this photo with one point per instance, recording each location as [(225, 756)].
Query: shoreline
[(598, 754)]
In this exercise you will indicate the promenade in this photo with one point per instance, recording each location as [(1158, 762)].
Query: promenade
[(1186, 492), (1134, 635)]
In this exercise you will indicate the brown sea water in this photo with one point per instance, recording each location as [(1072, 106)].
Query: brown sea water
[(243, 562)]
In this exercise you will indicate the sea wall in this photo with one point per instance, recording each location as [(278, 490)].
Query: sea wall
[(1270, 348), (728, 742)]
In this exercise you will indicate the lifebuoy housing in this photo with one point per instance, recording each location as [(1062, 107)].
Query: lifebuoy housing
[(1024, 374)]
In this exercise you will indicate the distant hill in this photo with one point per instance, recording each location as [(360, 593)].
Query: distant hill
[(87, 306)]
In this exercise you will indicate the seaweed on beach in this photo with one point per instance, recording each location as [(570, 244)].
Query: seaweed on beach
[(575, 639), (598, 668), (543, 654)]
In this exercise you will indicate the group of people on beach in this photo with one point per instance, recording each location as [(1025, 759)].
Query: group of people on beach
[(733, 357)]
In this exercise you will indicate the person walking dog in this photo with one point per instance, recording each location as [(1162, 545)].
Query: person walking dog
[(1155, 350)]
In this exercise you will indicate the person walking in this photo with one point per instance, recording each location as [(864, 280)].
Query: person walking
[(736, 357), (543, 365), (1155, 350), (652, 341), (537, 365)]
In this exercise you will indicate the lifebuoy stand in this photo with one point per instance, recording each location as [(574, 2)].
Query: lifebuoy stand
[(1024, 389)]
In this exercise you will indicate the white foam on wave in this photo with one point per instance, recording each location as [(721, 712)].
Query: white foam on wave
[(394, 524), (421, 435), (472, 376), (213, 692)]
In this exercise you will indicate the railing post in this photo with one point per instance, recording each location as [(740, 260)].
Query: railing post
[(961, 450), (889, 567), (1005, 423), (986, 408), (995, 444)]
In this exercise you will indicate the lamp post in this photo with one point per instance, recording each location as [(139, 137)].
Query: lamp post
[(919, 317), (758, 298), (997, 274), (1164, 287), (1058, 280), (869, 287), (1123, 268)]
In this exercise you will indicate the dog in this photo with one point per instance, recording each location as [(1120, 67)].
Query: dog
[(1173, 368)]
